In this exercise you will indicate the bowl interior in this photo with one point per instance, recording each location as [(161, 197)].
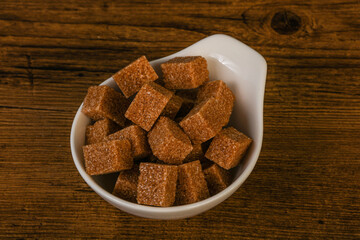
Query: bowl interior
[(241, 68)]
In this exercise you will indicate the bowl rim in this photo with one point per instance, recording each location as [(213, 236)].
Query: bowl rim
[(173, 209)]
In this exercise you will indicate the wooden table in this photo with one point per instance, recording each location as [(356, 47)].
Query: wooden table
[(306, 184)]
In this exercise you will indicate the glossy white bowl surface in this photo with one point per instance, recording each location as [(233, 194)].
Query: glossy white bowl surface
[(244, 71)]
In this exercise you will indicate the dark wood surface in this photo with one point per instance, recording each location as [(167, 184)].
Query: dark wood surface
[(306, 184)]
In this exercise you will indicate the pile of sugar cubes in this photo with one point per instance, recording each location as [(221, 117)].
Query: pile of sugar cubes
[(167, 137)]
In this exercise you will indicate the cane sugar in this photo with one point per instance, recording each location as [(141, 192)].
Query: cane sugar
[(104, 102), (137, 137), (228, 147), (192, 186), (217, 178), (168, 142), (126, 184), (157, 184), (97, 133), (131, 78), (108, 157), (185, 72), (148, 104)]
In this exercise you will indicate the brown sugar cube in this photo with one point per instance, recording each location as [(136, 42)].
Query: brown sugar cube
[(137, 137), (104, 102), (196, 154), (172, 107), (131, 78), (206, 119), (185, 72), (126, 184), (157, 184), (98, 132), (217, 178), (217, 89), (192, 186), (228, 147), (168, 142), (108, 157), (148, 104), (209, 115), (198, 123)]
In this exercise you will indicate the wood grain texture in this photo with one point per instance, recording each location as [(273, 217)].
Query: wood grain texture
[(306, 184)]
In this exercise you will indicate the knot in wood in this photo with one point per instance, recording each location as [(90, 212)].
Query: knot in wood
[(285, 22)]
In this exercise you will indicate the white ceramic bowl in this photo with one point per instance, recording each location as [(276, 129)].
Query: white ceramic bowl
[(244, 71)]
